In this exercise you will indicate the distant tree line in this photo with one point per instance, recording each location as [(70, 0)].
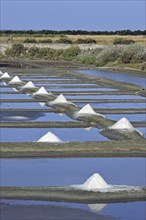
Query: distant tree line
[(74, 32)]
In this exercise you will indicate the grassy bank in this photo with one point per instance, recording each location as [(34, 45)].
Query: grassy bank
[(67, 194), (109, 51), (129, 148)]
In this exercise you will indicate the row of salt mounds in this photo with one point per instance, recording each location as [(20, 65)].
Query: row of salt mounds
[(97, 183), (125, 125), (50, 138), (60, 100), (87, 110), (16, 80)]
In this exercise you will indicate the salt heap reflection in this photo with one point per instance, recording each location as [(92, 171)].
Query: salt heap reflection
[(97, 207)]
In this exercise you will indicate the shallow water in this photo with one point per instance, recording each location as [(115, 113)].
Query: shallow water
[(14, 96), (115, 105), (130, 117), (55, 172), (65, 134), (68, 84), (117, 76), (121, 97), (6, 89), (21, 105), (143, 130), (51, 210), (47, 78), (82, 89), (32, 116)]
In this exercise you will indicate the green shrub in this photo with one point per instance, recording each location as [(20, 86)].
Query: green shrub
[(63, 41), (17, 50), (46, 41), (71, 53), (123, 41), (88, 59), (109, 54), (85, 41), (133, 54), (33, 52), (30, 40)]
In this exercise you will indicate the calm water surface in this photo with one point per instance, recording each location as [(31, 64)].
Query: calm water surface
[(54, 172), (117, 76), (65, 134)]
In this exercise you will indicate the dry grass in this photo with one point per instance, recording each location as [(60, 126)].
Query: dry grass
[(100, 39)]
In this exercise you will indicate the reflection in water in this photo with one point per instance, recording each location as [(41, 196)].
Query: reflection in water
[(36, 210), (97, 207), (20, 116), (48, 212), (66, 134)]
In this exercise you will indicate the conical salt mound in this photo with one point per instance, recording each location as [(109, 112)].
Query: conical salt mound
[(123, 123), (16, 79), (60, 99), (87, 109), (1, 72), (28, 85), (41, 91), (50, 137), (95, 182), (5, 76)]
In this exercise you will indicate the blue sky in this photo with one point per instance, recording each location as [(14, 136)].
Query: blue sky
[(73, 15)]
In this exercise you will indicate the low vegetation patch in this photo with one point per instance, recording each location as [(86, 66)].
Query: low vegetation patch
[(109, 56)]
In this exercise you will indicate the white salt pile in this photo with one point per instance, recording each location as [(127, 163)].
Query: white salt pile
[(87, 110), (1, 73), (94, 182), (28, 85), (50, 137), (40, 91), (16, 79), (97, 207), (61, 100), (5, 76), (124, 124), (97, 183)]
